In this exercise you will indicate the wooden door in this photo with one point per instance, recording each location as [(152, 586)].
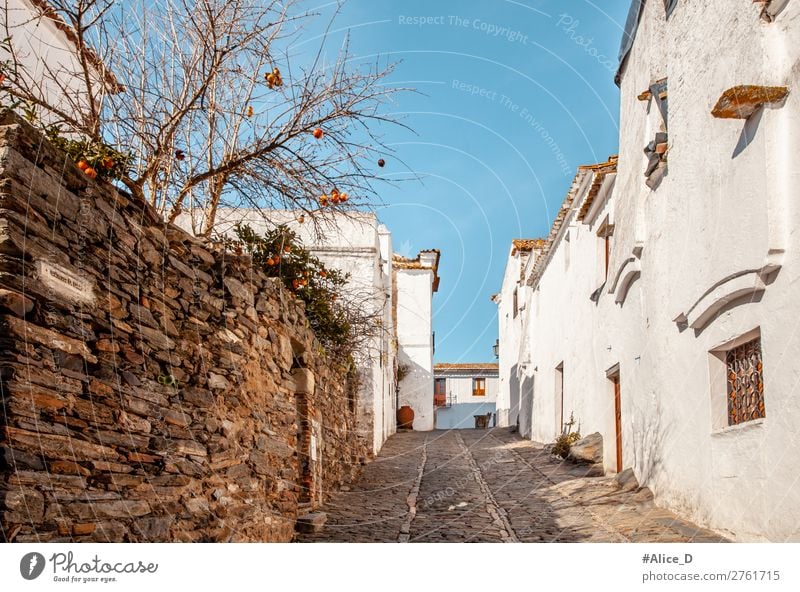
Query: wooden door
[(618, 422)]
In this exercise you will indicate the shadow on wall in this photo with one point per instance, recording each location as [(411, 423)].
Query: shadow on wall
[(513, 385), (648, 444), (415, 389), (749, 131), (525, 417)]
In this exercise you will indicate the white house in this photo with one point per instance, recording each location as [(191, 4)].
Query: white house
[(465, 395), (48, 57), (416, 281), (661, 312), (510, 303)]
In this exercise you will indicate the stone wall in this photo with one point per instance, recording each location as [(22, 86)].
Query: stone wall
[(154, 387)]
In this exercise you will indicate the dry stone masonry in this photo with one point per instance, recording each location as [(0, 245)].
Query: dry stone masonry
[(154, 387)]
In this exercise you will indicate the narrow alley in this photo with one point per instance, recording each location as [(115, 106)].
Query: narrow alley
[(491, 486)]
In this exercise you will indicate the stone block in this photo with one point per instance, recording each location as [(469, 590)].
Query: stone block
[(626, 480), (15, 302), (198, 397), (313, 522), (588, 449), (217, 381), (303, 381)]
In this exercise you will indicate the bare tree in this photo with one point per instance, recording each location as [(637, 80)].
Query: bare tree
[(206, 98)]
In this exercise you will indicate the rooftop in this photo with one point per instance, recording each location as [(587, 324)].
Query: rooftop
[(466, 368), (401, 262)]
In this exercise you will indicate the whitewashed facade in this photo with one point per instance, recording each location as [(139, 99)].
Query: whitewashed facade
[(48, 58), (463, 392), (702, 260), (416, 281), (510, 305)]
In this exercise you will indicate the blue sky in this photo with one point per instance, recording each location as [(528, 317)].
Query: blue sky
[(512, 97)]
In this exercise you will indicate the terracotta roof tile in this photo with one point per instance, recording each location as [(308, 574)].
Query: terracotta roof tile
[(600, 170), (527, 244), (401, 262)]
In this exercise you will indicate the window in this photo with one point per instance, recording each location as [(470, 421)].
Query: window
[(737, 382), (478, 387), (745, 382), (440, 392)]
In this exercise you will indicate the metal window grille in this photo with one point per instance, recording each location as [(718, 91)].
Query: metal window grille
[(745, 383)]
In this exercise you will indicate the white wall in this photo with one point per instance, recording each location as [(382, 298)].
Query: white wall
[(510, 329), (727, 209), (48, 60), (459, 389), (415, 343)]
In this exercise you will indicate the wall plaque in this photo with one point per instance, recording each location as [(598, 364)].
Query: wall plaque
[(65, 283)]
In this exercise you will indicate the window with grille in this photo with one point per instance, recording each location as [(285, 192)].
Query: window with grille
[(478, 387), (745, 382)]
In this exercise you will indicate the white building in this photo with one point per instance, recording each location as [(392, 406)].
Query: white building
[(48, 58), (662, 310), (510, 304), (465, 395), (416, 281)]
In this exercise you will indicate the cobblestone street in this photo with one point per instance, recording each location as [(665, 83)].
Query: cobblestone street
[(491, 486)]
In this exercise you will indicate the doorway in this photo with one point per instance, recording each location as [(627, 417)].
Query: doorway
[(617, 420)]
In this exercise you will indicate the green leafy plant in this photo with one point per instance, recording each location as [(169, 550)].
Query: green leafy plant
[(279, 254), (107, 162)]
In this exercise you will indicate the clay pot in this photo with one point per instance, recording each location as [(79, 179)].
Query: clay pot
[(405, 417)]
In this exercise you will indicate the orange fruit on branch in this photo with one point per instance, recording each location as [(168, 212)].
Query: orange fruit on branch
[(90, 172), (83, 165), (381, 162), (318, 133), (108, 162)]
